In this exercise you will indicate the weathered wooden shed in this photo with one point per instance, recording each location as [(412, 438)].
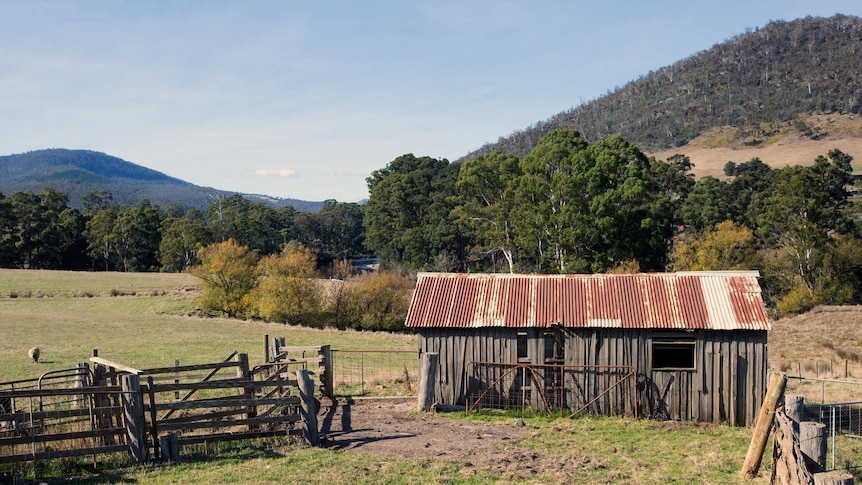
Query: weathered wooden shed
[(686, 345)]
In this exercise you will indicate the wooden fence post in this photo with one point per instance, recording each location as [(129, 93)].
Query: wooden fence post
[(764, 424), (812, 442), (133, 409), (103, 402), (266, 356), (170, 445), (794, 408), (328, 375), (788, 464), (308, 408), (242, 372), (427, 380), (153, 417), (835, 477)]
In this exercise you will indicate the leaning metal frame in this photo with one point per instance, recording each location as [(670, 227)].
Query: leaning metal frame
[(513, 368)]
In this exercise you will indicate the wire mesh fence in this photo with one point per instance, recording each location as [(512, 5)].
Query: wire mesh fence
[(375, 372), (838, 405)]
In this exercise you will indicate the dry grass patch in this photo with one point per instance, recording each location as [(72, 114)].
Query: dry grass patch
[(819, 342), (713, 149)]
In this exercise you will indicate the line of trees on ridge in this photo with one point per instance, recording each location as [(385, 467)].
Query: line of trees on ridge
[(568, 206)]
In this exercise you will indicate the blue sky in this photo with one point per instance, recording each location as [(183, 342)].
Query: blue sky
[(306, 99)]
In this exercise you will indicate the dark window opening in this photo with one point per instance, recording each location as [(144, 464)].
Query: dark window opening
[(522, 347), (673, 352), (555, 347)]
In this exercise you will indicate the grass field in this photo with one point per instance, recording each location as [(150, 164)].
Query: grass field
[(561, 450), (153, 328), (139, 331)]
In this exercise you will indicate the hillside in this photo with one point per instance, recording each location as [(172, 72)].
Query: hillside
[(710, 151), (76, 172), (758, 89)]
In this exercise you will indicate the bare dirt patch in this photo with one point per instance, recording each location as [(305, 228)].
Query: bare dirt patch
[(392, 427)]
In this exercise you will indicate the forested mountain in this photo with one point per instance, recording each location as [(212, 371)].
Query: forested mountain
[(76, 172), (758, 82)]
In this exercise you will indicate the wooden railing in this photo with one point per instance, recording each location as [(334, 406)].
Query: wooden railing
[(151, 412)]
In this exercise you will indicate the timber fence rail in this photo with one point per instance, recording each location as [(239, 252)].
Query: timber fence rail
[(149, 413)]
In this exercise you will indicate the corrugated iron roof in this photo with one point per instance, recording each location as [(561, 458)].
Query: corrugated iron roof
[(717, 300)]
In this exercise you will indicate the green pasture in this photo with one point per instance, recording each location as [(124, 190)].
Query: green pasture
[(139, 331), (155, 326), (24, 283)]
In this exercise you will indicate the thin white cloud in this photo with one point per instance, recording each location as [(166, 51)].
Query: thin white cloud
[(346, 173), (282, 172)]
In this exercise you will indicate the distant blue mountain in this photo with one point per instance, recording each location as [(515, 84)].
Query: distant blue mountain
[(76, 172)]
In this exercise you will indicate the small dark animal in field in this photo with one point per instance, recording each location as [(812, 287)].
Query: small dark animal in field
[(34, 354)]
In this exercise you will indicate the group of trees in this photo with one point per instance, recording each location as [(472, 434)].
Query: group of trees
[(568, 206), (41, 231), (796, 224), (573, 207), (284, 287)]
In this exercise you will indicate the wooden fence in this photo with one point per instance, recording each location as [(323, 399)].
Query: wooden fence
[(152, 412)]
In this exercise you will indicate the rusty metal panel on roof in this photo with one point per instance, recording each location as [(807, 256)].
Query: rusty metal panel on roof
[(688, 292), (685, 300)]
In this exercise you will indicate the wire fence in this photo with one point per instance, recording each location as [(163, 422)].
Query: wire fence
[(375, 372), (838, 405)]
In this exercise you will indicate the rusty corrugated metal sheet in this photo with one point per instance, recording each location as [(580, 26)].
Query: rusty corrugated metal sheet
[(717, 300)]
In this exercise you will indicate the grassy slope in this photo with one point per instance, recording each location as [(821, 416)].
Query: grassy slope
[(819, 341), (711, 151)]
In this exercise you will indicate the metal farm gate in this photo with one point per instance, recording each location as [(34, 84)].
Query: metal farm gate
[(609, 390)]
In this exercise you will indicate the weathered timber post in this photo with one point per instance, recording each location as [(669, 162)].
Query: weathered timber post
[(308, 408), (427, 380), (266, 357), (153, 418), (812, 442), (794, 408), (82, 371), (764, 424), (103, 414), (328, 376), (242, 372), (788, 464), (170, 445), (835, 477), (133, 410)]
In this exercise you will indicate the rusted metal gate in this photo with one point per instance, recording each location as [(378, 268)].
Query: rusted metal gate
[(609, 390)]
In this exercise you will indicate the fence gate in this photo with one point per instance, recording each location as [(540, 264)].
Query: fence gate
[(838, 405), (595, 389)]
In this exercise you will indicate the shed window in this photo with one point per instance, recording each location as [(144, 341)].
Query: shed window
[(522, 347), (673, 351), (555, 347)]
